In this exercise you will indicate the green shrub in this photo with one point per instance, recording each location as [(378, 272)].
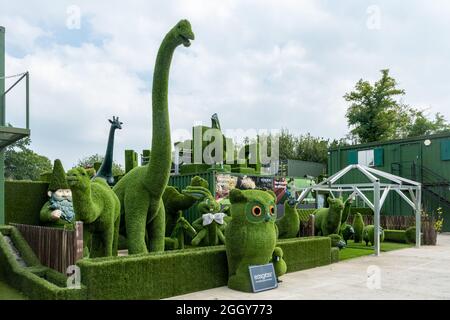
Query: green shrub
[(24, 200), (358, 226), (410, 235), (160, 275), (395, 236), (334, 255)]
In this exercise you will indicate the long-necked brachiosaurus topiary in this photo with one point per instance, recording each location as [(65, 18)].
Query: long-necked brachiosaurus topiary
[(105, 170), (140, 191)]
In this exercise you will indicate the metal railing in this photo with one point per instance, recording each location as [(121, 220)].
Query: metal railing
[(26, 76)]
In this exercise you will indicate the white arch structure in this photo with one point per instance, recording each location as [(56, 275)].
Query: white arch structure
[(410, 191)]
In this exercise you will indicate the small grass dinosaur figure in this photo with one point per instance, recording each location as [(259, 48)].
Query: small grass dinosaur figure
[(140, 191), (99, 208)]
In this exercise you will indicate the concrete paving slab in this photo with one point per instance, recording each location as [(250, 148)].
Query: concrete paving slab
[(413, 273)]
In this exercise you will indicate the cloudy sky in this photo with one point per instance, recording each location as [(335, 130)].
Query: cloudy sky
[(258, 64)]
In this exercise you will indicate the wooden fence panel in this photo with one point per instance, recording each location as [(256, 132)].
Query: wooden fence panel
[(56, 248)]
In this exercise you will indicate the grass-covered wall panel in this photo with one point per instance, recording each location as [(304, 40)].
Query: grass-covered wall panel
[(171, 273), (306, 253), (35, 281), (24, 200)]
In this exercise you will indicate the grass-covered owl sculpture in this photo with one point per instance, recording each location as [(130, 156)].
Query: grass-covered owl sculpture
[(251, 236)]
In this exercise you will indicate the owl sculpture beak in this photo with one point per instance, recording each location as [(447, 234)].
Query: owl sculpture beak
[(267, 217)]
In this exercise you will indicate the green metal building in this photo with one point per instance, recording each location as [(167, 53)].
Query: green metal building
[(425, 159)]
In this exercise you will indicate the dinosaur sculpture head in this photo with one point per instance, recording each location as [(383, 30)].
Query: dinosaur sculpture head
[(183, 33), (78, 179)]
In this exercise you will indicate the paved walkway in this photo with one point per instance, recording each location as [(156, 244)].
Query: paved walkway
[(404, 274)]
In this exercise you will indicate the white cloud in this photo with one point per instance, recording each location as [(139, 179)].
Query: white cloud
[(258, 64)]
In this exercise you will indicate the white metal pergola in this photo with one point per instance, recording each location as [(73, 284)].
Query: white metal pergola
[(410, 191)]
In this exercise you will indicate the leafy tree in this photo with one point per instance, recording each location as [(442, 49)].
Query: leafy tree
[(22, 163), (374, 113), (305, 147), (420, 125), (88, 162)]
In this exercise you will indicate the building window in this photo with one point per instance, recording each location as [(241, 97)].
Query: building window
[(366, 158)]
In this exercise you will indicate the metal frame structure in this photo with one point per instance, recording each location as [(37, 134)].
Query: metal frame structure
[(410, 191), (9, 135)]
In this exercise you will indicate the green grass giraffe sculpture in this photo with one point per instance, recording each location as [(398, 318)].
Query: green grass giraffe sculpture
[(140, 191)]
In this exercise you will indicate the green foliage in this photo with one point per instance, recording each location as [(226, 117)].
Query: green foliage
[(90, 161), (24, 200), (374, 112), (289, 224), (420, 124), (305, 147), (99, 208), (22, 163), (358, 226), (36, 281), (328, 220), (140, 191), (369, 234), (157, 275), (250, 236), (410, 235), (395, 236)]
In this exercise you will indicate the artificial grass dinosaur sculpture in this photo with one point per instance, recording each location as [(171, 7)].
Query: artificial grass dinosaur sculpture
[(251, 235), (289, 224), (105, 170), (140, 191), (328, 220), (99, 208)]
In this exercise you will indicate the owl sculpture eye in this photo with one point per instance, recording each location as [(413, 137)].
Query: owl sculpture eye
[(272, 210), (256, 211)]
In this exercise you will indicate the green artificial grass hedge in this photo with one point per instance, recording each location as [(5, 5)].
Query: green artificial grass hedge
[(159, 275), (395, 236), (334, 255), (24, 200), (35, 281)]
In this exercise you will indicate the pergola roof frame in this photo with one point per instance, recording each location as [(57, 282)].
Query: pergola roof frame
[(380, 190)]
